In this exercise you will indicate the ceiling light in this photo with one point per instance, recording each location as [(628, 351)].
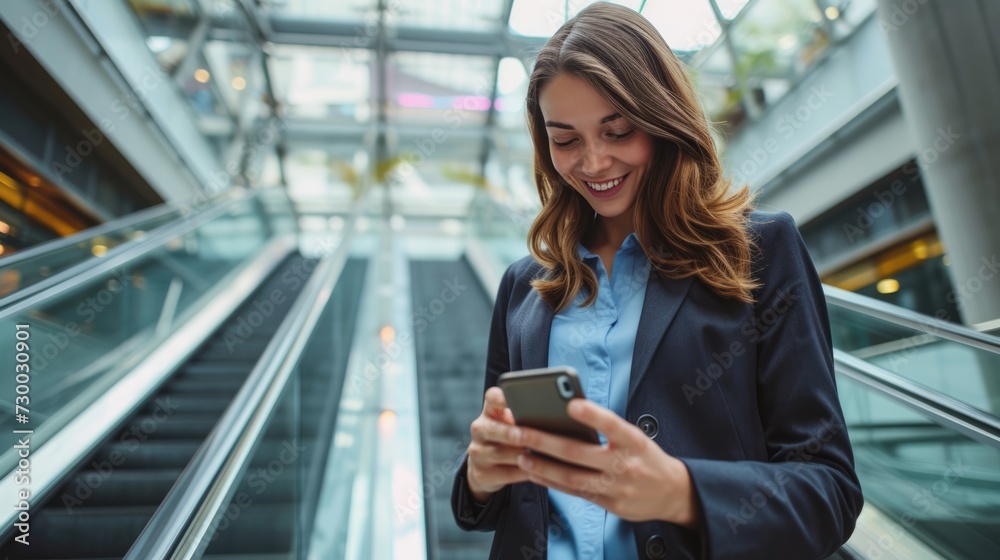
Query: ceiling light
[(387, 334), (887, 286), (787, 42), (202, 75), (239, 84), (387, 423), (832, 13)]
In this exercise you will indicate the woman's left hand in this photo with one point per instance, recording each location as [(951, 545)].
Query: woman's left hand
[(630, 476)]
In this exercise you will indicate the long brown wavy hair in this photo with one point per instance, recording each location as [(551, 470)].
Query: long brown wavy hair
[(687, 220)]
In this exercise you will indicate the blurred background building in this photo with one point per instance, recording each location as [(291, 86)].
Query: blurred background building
[(251, 247)]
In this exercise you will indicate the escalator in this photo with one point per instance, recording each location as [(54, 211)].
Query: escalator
[(105, 504), (184, 387), (922, 401), (451, 353), (929, 466)]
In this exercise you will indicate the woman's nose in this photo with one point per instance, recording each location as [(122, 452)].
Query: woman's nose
[(595, 162)]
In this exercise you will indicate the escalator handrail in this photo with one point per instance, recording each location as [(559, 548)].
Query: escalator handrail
[(942, 409), (908, 318), (81, 273), (191, 504), (60, 243)]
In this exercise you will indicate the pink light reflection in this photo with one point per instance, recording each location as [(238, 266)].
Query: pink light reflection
[(471, 103), (415, 100)]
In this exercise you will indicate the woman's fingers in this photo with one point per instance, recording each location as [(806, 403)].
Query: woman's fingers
[(491, 453), (494, 403), (496, 477)]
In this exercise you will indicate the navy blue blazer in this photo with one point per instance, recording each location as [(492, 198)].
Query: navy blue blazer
[(744, 394)]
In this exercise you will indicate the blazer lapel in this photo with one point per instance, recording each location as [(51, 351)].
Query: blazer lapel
[(663, 299), (536, 327)]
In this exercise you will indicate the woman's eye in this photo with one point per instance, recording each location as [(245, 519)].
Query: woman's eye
[(621, 136), (564, 144)]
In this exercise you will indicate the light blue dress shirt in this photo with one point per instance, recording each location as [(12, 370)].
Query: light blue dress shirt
[(598, 341)]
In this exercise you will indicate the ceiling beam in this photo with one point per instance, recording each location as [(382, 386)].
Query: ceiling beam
[(294, 30)]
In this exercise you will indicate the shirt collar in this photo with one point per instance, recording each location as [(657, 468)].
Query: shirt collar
[(630, 243)]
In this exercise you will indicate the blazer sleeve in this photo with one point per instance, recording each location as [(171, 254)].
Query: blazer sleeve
[(802, 502), (469, 515)]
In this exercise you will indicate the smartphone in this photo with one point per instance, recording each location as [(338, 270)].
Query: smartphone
[(538, 399)]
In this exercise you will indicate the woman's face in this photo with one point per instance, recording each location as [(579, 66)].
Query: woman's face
[(595, 150)]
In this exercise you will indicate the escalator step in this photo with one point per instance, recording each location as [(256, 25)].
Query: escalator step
[(261, 528), (118, 487), (188, 404), (150, 454), (216, 368), (93, 532), (203, 386), (177, 426)]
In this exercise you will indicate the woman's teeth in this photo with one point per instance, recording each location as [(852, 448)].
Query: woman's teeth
[(608, 185)]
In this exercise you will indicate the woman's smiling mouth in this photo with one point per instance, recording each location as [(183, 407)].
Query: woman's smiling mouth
[(607, 188)]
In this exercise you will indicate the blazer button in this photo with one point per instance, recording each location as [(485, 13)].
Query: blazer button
[(649, 426), (656, 547)]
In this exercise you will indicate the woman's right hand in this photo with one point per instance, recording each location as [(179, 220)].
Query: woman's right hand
[(493, 450)]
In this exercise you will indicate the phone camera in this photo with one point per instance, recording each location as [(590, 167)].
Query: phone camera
[(565, 386)]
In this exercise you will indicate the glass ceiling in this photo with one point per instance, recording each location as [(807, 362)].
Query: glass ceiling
[(434, 89)]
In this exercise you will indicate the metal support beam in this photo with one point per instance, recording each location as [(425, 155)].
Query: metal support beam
[(302, 31)]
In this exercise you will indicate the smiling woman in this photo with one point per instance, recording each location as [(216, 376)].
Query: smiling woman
[(598, 110), (647, 271)]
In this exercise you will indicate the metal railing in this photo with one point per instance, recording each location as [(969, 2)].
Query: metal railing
[(184, 517), (907, 318)]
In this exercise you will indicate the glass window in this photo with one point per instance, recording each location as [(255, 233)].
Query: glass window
[(463, 15), (322, 82), (339, 10), (846, 15), (718, 88), (878, 212), (731, 8), (200, 89), (687, 26), (232, 64), (542, 18), (512, 88), (450, 91), (168, 25), (776, 41)]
